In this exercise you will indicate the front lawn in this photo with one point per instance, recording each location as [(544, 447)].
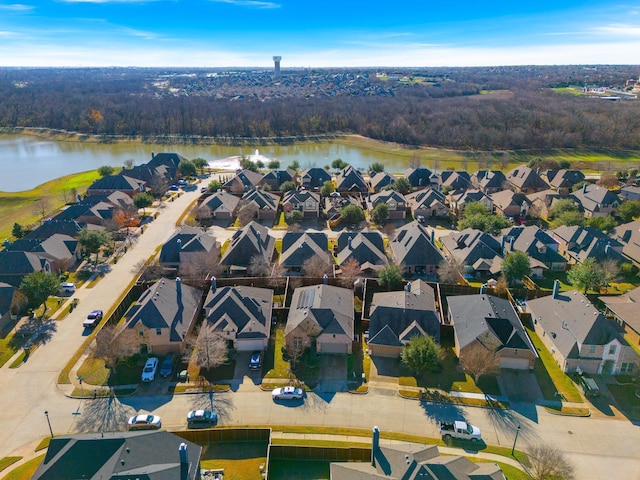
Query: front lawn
[(8, 348), (94, 372), (625, 395)]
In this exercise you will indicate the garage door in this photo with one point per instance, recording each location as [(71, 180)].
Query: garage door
[(333, 348), (516, 363), (250, 345)]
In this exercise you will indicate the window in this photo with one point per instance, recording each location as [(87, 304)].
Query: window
[(592, 349), (141, 332), (612, 349), (297, 344), (158, 331), (623, 367)]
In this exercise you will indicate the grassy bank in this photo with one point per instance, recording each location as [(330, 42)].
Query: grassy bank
[(27, 207)]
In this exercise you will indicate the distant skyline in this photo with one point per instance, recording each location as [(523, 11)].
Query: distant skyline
[(316, 34)]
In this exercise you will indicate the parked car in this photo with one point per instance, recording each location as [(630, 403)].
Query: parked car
[(588, 385), (174, 188), (201, 418), (461, 430), (67, 288), (255, 362), (167, 365), (144, 422), (92, 319), (287, 393), (204, 189), (149, 370)]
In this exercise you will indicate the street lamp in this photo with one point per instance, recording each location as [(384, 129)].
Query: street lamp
[(515, 440), (46, 414)]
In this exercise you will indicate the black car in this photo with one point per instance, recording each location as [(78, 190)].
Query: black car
[(167, 365), (255, 363)]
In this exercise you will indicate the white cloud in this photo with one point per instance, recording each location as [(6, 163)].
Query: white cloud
[(16, 7), (249, 3), (620, 29)]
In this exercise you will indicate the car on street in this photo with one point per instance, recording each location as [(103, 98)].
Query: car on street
[(287, 393), (92, 319), (166, 369), (255, 362), (201, 418), (67, 288), (144, 421), (204, 189), (174, 188), (149, 370)]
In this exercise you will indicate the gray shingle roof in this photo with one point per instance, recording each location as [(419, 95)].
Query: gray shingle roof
[(298, 247), (365, 247), (412, 247), (470, 245), (245, 310), (525, 178), (222, 201), (187, 239), (252, 240), (331, 308)]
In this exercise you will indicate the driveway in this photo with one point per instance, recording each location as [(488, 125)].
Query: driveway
[(333, 373), (520, 385)]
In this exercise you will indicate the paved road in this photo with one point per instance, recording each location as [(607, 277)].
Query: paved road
[(600, 447)]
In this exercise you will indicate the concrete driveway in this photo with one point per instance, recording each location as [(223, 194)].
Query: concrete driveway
[(520, 385)]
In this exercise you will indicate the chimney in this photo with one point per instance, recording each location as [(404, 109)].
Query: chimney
[(214, 287), (433, 236), (325, 279), (184, 460), (179, 243), (502, 244), (538, 171), (349, 242), (259, 235), (409, 287), (584, 188), (512, 240), (607, 248), (556, 288), (375, 445), (153, 155)]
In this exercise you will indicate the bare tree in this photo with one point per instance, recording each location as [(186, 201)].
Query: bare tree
[(111, 347), (450, 271), (158, 185), (203, 214), (206, 349), (478, 361), (608, 180), (259, 266), (350, 271), (549, 463), (415, 161), (42, 207), (609, 270), (501, 286), (152, 271), (277, 276), (318, 265), (69, 196), (198, 267), (247, 214)]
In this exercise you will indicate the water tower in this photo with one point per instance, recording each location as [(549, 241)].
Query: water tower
[(276, 66)]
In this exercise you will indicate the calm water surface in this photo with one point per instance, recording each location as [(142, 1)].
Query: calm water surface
[(28, 161)]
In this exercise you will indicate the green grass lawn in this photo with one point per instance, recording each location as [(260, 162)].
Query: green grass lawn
[(8, 348), (8, 461), (25, 471), (625, 395), (241, 461), (307, 469)]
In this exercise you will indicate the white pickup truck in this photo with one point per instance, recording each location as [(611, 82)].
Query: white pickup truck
[(460, 429)]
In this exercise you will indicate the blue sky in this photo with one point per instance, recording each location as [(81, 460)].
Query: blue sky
[(310, 33)]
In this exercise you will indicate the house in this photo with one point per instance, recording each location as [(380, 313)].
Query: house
[(10, 304), (541, 247), (510, 204), (54, 226), (334, 204), (253, 240), (419, 177), (596, 201), (265, 203), (381, 180), (314, 178), (458, 200), (628, 234), (577, 244), (410, 461), (396, 317), (219, 205), (303, 200), (161, 319), (449, 180), (321, 317), (121, 455), (366, 247), (167, 163), (474, 250), (523, 179), (488, 181), (562, 181), (414, 249), (188, 245), (241, 315), (491, 323), (579, 336), (624, 309), (630, 192), (427, 203), (14, 266), (396, 203), (299, 247), (275, 178), (543, 202), (351, 180), (243, 181), (62, 251), (111, 183)]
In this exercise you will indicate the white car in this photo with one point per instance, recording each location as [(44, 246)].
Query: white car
[(149, 370), (144, 422), (92, 319), (287, 393)]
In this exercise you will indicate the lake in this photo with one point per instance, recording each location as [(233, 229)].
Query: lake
[(28, 161)]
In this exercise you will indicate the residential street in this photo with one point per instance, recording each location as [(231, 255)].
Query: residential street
[(600, 447)]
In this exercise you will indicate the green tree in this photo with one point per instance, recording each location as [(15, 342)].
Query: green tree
[(186, 168), (327, 188), (38, 286), (376, 167), (93, 240), (473, 208), (214, 186), (629, 210), (477, 215), (568, 219), (586, 276), (352, 214), (603, 223), (293, 217), (142, 201), (390, 276), (18, 230), (247, 164), (562, 206), (515, 266), (288, 186), (273, 165), (421, 354), (295, 165), (401, 185), (380, 213), (200, 164), (339, 164), (105, 170)]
